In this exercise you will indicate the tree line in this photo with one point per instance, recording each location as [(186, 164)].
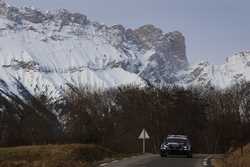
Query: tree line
[(215, 120)]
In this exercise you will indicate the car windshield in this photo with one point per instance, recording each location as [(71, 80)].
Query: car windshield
[(176, 140)]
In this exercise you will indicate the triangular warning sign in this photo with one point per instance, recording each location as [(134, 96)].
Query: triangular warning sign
[(144, 135)]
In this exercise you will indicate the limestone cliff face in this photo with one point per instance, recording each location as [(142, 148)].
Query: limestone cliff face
[(169, 56)]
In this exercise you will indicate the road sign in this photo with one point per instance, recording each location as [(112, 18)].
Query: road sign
[(144, 136)]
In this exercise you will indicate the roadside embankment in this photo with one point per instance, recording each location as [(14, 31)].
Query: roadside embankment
[(237, 158), (73, 155)]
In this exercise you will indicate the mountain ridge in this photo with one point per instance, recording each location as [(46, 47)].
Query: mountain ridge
[(47, 50), (236, 69)]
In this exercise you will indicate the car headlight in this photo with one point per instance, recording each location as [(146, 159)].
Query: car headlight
[(164, 147)]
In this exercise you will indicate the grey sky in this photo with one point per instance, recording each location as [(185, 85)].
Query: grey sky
[(214, 29)]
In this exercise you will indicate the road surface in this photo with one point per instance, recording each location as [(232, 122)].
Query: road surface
[(151, 160)]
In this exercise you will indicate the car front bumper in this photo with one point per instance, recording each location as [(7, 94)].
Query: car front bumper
[(175, 152)]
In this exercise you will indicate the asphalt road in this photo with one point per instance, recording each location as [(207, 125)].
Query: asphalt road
[(151, 160)]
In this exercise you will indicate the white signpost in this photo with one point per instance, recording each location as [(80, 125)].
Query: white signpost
[(144, 136)]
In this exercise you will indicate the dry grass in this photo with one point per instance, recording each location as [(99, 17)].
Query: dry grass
[(74, 155), (218, 163), (235, 159)]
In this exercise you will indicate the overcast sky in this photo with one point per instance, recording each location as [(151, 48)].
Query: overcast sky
[(214, 29)]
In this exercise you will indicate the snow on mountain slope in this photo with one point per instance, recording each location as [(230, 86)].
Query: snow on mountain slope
[(234, 70), (25, 55), (46, 50)]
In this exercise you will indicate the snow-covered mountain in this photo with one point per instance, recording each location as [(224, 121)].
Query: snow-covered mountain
[(235, 70), (47, 50)]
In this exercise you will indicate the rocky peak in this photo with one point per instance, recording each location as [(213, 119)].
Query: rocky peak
[(133, 38), (149, 35), (33, 15), (36, 16), (3, 7), (169, 58), (173, 43), (119, 28), (67, 17)]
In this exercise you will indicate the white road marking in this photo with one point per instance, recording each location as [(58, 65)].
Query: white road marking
[(205, 162), (105, 164), (115, 161)]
